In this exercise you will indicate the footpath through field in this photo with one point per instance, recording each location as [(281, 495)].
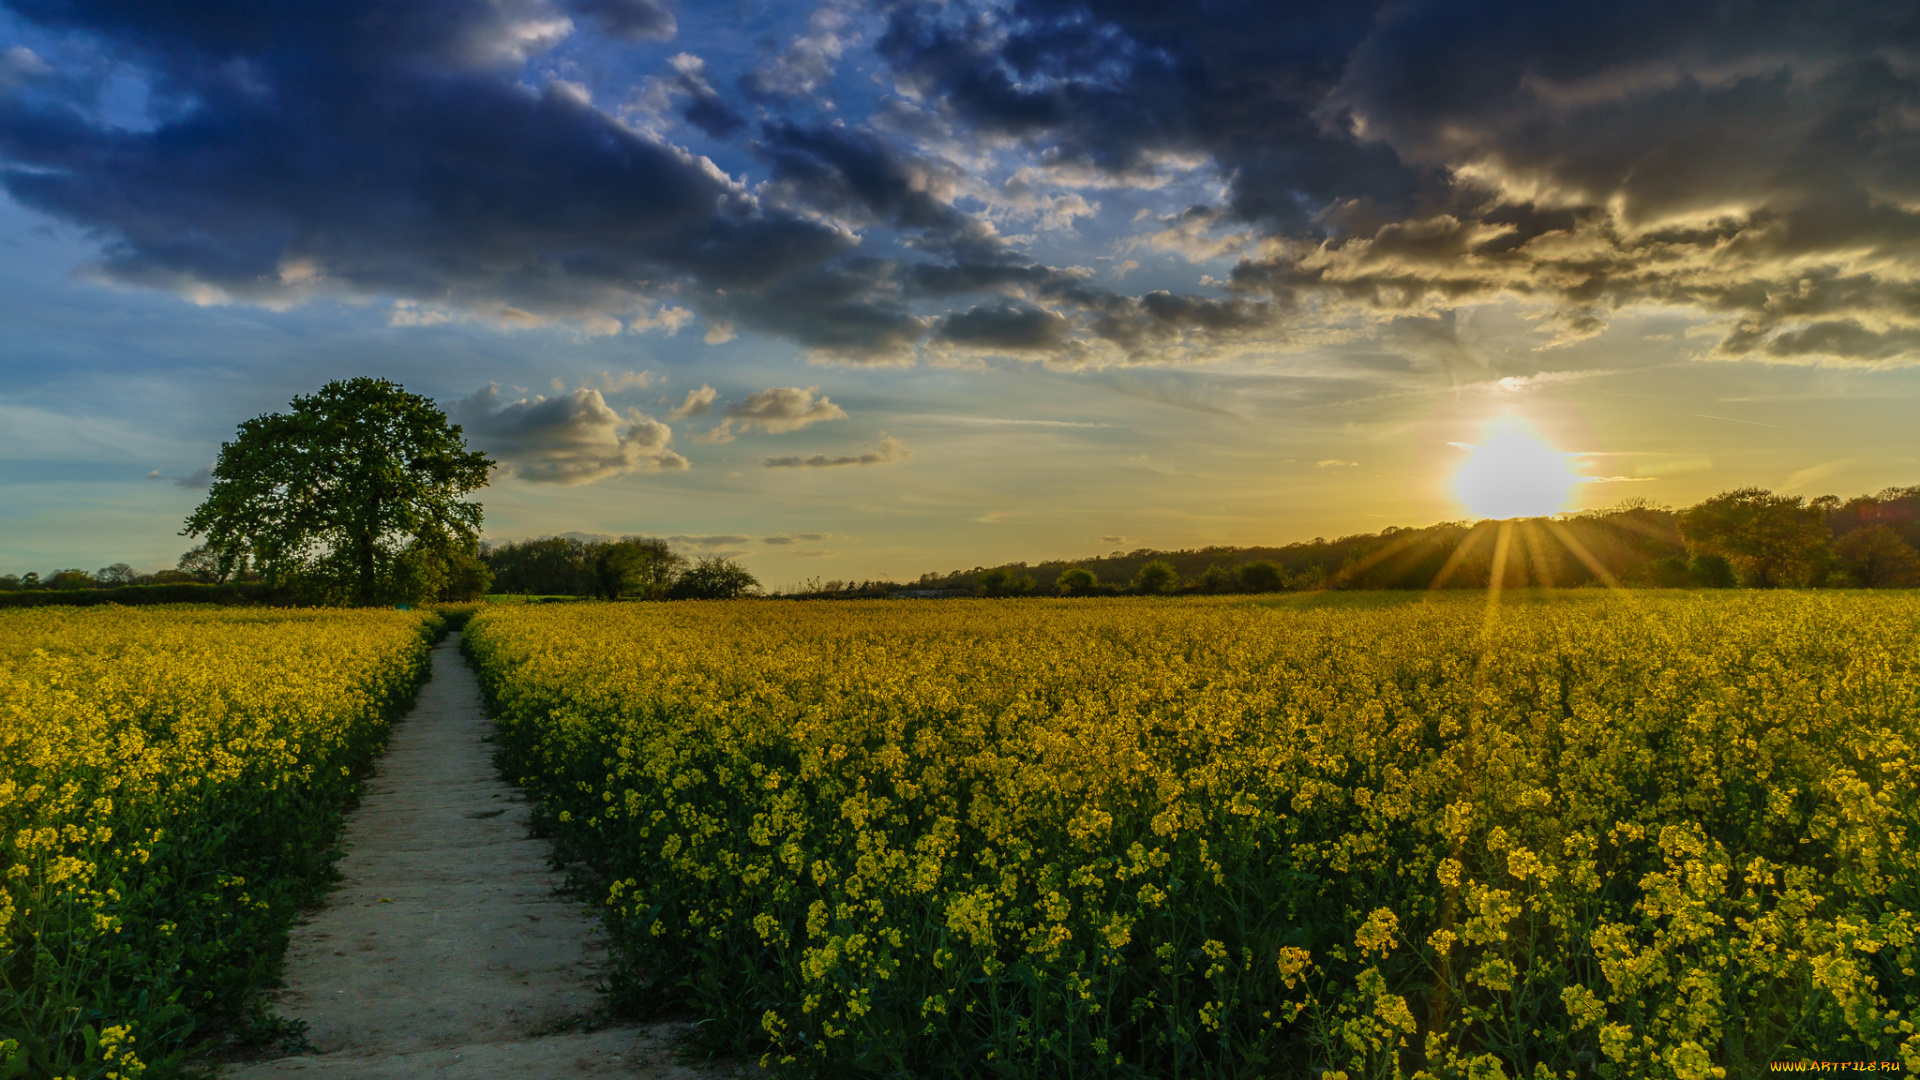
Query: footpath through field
[(445, 951)]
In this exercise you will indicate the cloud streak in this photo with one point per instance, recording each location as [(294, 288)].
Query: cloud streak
[(889, 451), (198, 479)]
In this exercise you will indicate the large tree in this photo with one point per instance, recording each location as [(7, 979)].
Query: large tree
[(357, 488), (1772, 540), (1876, 558)]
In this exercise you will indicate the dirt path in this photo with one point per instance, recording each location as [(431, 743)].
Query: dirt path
[(445, 951)]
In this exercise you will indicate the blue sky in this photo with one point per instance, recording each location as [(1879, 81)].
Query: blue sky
[(909, 286)]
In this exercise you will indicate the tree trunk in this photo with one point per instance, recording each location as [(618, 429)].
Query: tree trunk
[(365, 541)]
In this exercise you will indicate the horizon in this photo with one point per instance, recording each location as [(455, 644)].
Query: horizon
[(864, 293)]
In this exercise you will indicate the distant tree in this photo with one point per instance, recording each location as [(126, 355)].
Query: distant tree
[(1709, 571), (1264, 576), (714, 578), (117, 574), (31, 580), (1895, 507), (435, 573), (636, 569), (554, 565), (70, 579), (173, 577), (1673, 572), (1075, 581), (1876, 558), (1001, 581), (354, 488), (201, 564), (9, 582), (1771, 540), (1218, 578), (1155, 578), (466, 577)]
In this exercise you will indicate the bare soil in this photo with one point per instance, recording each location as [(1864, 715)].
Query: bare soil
[(446, 950)]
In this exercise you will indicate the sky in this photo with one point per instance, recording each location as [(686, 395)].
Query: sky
[(862, 290)]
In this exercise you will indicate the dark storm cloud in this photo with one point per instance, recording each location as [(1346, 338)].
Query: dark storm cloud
[(703, 107), (381, 151), (385, 153), (634, 20), (1373, 162), (1118, 86), (1004, 327), (863, 179), (1409, 157)]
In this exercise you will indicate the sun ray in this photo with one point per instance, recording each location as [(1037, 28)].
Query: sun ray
[(1498, 579), (1580, 552), (1460, 553), (1374, 558), (1536, 559)]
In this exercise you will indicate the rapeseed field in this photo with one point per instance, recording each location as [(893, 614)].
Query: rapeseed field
[(1591, 835), (170, 784)]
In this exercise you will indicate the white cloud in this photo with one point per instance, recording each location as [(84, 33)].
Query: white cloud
[(410, 313), (670, 319), (573, 438), (809, 59), (775, 411), (699, 403), (1027, 193)]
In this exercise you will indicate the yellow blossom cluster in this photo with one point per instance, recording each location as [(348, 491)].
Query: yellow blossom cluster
[(171, 780), (1577, 835)]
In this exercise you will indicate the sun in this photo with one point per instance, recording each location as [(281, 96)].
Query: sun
[(1512, 472)]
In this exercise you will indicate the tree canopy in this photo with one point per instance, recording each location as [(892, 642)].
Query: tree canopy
[(355, 492), (1876, 558), (637, 568), (714, 578), (1772, 540)]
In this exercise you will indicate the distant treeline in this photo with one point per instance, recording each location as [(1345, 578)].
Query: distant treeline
[(1749, 537), (173, 592), (199, 579), (632, 568)]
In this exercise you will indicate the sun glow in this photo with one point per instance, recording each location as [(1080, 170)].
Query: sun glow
[(1513, 473)]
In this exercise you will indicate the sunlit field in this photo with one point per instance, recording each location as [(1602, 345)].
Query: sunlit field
[(170, 783), (1568, 835)]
